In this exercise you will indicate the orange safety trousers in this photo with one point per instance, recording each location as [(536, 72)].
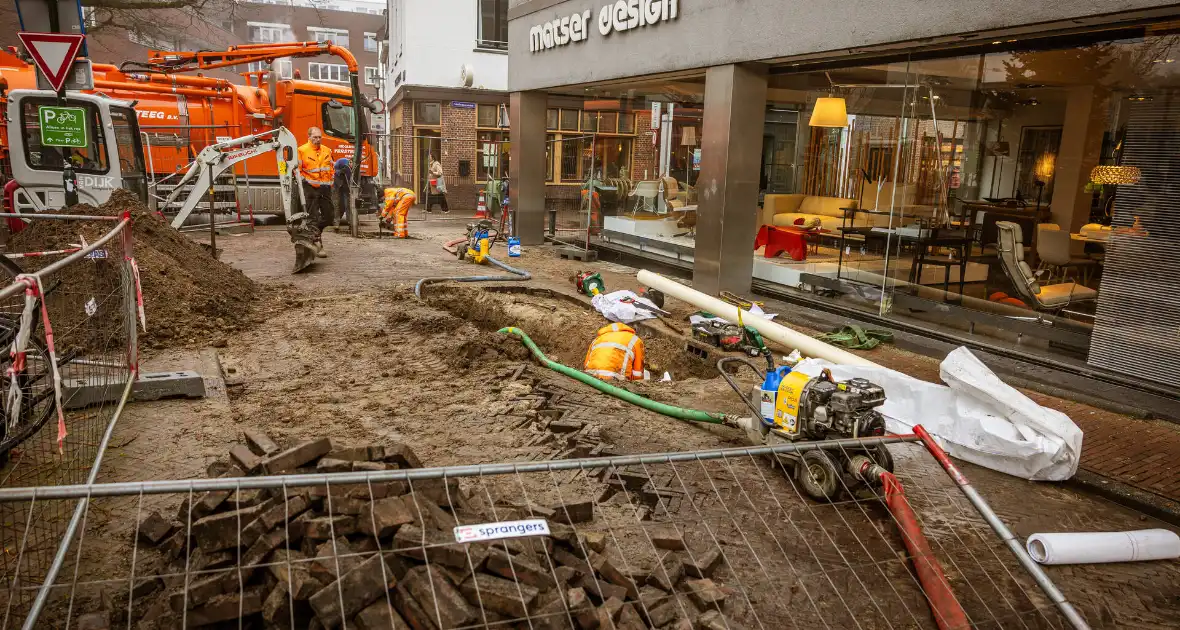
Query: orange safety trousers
[(397, 207), (616, 353)]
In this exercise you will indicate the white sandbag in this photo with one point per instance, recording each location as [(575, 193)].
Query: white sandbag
[(614, 308), (976, 417), (1096, 547)]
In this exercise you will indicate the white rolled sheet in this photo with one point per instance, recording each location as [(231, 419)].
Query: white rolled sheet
[(1097, 547)]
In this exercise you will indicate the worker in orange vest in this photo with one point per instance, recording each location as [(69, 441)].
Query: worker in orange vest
[(316, 168), (616, 353), (397, 207)]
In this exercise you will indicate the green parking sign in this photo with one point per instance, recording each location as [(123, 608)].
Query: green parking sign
[(63, 126)]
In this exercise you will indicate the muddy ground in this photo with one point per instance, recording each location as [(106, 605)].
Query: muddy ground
[(346, 351)]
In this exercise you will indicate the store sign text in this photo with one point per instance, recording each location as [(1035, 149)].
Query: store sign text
[(623, 15)]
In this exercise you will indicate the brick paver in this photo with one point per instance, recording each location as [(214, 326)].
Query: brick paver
[(1144, 454)]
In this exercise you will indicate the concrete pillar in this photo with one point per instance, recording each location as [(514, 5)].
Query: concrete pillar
[(1081, 149), (727, 190), (526, 181)]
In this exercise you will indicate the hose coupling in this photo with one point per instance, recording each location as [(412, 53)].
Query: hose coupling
[(865, 469)]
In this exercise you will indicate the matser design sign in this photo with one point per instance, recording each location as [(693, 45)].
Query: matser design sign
[(623, 15)]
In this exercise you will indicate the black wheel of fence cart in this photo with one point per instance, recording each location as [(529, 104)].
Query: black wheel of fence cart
[(34, 384)]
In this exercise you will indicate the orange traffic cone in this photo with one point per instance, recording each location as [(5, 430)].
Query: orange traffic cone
[(481, 208)]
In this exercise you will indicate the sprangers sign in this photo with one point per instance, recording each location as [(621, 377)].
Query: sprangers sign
[(623, 15)]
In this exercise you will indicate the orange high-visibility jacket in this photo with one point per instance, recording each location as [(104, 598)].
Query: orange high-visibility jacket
[(617, 353), (316, 165), (394, 195)]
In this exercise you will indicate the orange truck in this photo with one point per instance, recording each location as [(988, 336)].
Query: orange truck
[(180, 112)]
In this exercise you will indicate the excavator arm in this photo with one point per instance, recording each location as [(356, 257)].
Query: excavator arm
[(215, 159)]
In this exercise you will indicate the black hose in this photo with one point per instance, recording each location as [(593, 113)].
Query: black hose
[(733, 384), (517, 274)]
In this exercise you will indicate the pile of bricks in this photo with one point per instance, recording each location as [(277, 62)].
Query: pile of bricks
[(561, 416), (383, 555)]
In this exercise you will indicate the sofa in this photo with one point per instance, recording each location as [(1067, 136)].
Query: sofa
[(785, 210)]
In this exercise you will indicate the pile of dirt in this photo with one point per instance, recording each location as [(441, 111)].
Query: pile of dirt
[(190, 298)]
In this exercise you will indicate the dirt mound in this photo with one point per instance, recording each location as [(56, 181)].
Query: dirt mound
[(189, 296)]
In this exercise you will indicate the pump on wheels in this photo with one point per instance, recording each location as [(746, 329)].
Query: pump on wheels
[(791, 406)]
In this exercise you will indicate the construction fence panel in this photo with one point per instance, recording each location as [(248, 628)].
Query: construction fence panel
[(69, 337), (722, 539)]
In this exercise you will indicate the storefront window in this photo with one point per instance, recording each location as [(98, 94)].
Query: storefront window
[(571, 151), (492, 155), (551, 119), (611, 159)]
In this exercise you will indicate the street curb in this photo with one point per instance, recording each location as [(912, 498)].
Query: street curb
[(1148, 503)]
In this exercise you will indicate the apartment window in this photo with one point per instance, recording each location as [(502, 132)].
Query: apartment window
[(370, 42), (284, 68), (370, 75), (335, 36), (261, 33), (493, 24), (152, 42), (426, 113), (331, 72)]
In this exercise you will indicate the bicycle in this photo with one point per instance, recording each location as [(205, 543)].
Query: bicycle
[(34, 374)]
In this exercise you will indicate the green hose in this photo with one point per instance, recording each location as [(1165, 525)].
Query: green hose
[(672, 411)]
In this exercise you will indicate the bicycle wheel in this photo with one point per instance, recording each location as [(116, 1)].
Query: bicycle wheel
[(9, 270), (37, 402)]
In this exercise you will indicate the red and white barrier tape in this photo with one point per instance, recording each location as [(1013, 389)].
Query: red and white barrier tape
[(55, 252), (138, 293)]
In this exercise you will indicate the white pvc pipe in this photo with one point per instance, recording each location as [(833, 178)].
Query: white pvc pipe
[(772, 331), (1096, 547)]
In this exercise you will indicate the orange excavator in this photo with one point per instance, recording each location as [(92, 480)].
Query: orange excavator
[(179, 113)]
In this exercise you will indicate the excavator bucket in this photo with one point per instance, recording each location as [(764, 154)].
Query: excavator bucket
[(304, 255), (304, 238)]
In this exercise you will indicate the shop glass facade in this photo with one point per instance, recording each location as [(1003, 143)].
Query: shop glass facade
[(914, 208)]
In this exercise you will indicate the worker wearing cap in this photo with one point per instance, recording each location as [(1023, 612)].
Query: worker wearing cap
[(397, 207), (315, 165), (616, 354)]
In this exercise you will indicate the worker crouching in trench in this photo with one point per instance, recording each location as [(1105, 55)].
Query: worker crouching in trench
[(397, 207), (616, 354)]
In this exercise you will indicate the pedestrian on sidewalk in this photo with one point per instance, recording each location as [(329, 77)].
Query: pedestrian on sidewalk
[(340, 187), (438, 185)]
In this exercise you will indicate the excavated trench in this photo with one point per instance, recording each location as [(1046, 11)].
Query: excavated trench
[(563, 325)]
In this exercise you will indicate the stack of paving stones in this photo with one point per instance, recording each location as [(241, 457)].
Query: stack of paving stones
[(311, 556), (562, 422)]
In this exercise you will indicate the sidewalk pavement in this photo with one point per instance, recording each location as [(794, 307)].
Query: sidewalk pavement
[(1132, 461)]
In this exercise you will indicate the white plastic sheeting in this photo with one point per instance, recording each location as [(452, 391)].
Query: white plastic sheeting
[(623, 306), (1096, 547), (976, 417)]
